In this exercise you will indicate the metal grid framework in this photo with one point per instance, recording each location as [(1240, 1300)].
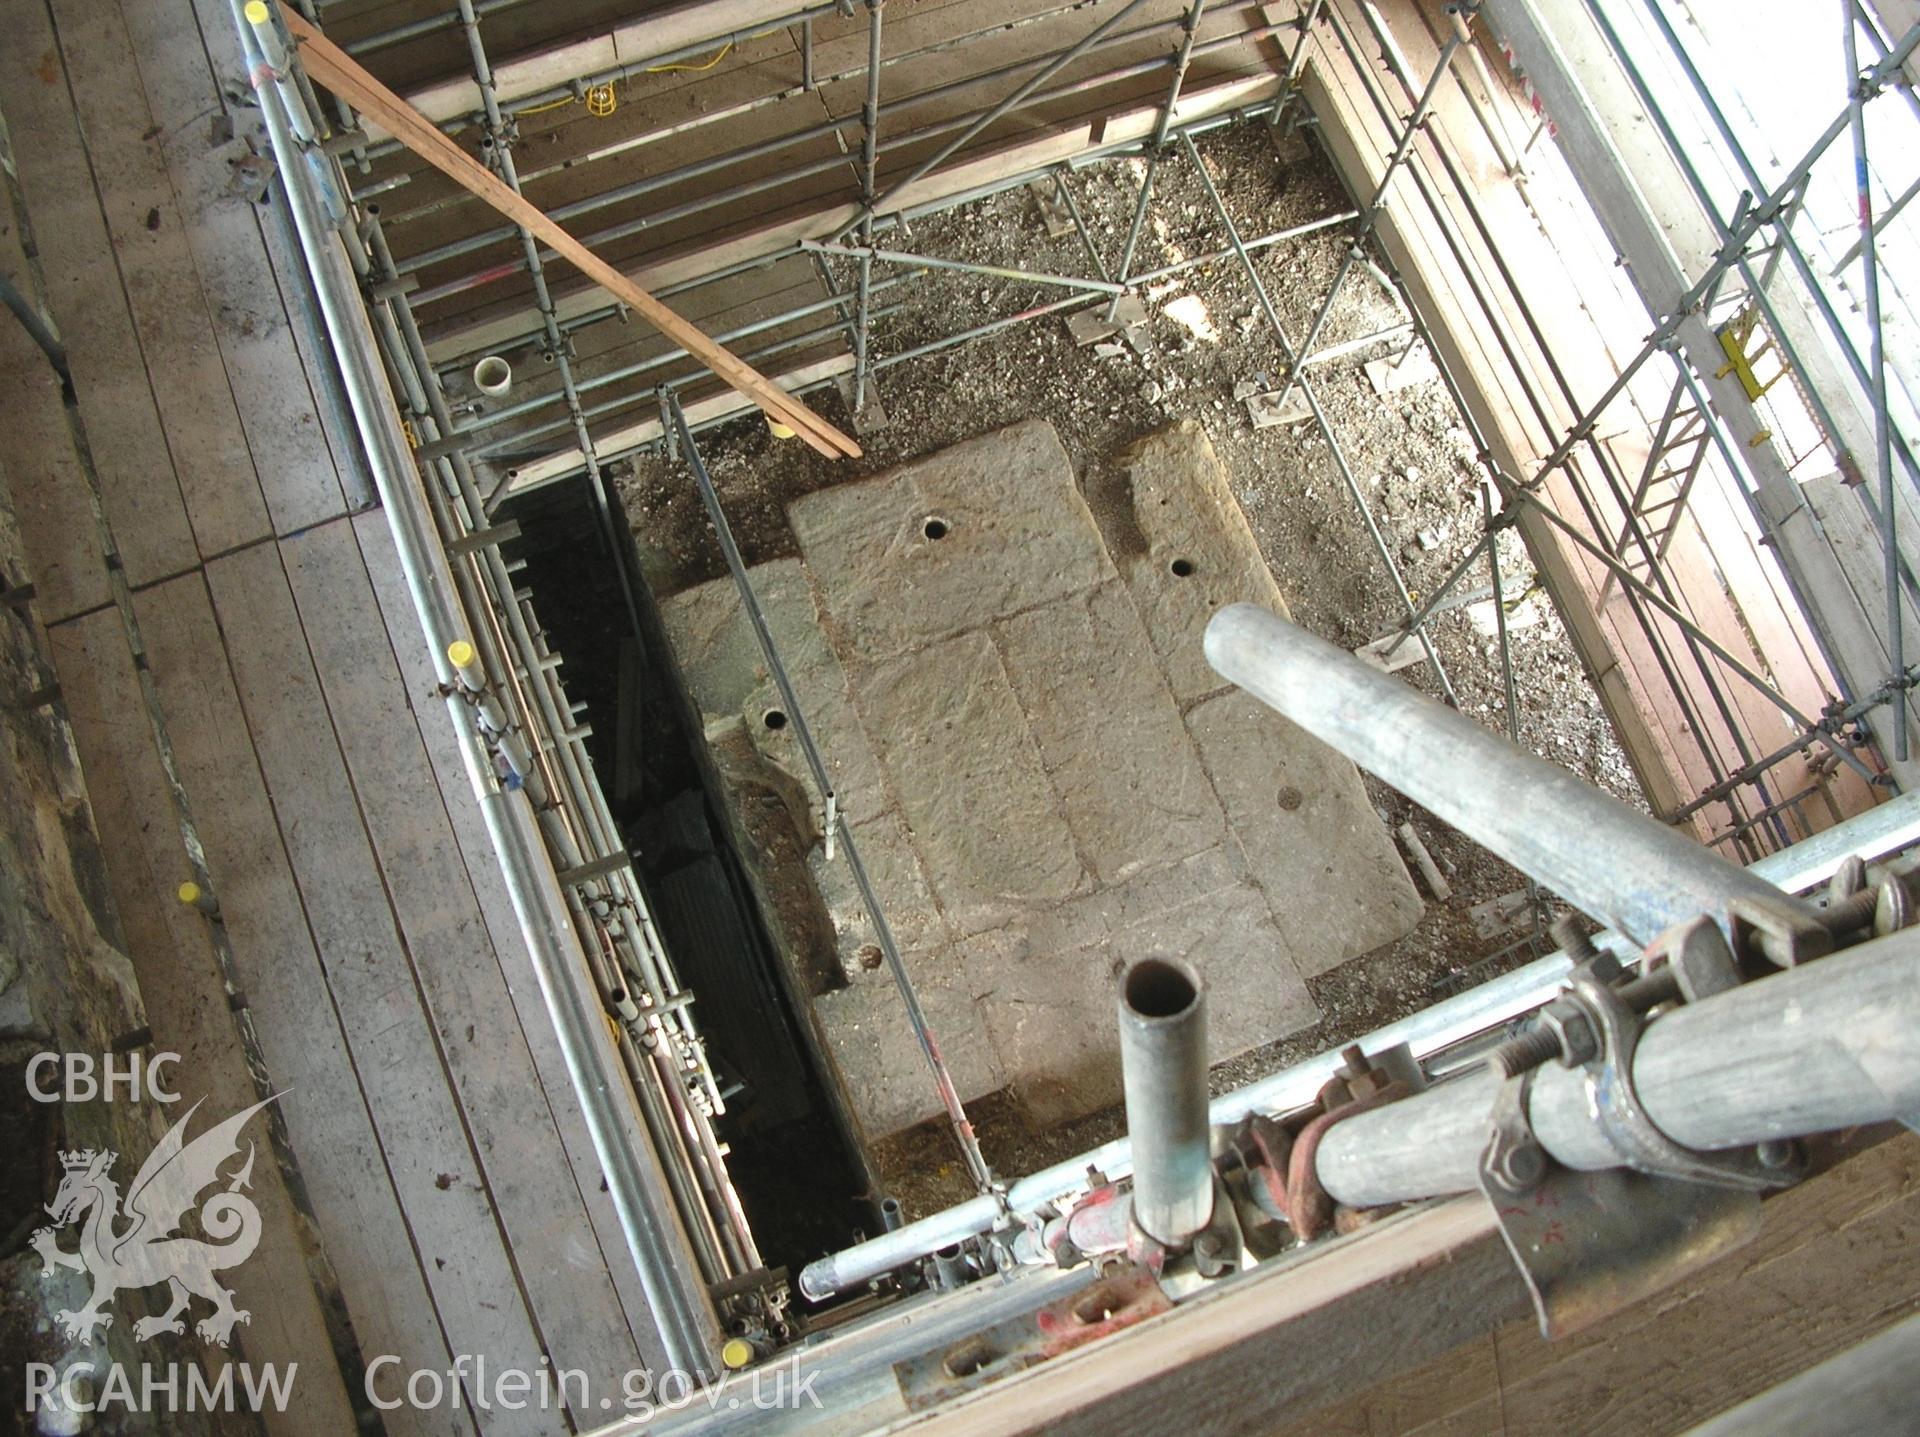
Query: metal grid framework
[(1636, 516), (1627, 522)]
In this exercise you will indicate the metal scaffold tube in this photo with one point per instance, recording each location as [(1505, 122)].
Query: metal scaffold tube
[(1877, 349), (1889, 828), (1163, 1066), (1622, 867), (632, 1168), (836, 832), (1828, 1045)]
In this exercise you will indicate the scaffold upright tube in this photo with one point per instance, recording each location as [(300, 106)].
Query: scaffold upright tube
[(1619, 866), (1163, 1066)]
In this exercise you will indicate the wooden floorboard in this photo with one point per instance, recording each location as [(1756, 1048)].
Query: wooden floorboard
[(270, 395), (455, 963), (436, 1175), (443, 747), (188, 381), (185, 997), (451, 1180), (143, 495), (303, 1026), (49, 492)]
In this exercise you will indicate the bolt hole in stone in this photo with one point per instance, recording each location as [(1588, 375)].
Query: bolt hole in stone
[(935, 528), (1290, 797), (774, 720), (869, 956), (1181, 568)]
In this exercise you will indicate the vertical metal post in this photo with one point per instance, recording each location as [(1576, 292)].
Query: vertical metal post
[(1190, 29), (1133, 230), (869, 159), (1371, 215), (966, 137), (1163, 1067), (1877, 350), (1296, 62)]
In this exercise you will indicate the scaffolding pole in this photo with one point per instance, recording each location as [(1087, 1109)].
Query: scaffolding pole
[(835, 829), (1877, 342), (1287, 351), (1370, 214)]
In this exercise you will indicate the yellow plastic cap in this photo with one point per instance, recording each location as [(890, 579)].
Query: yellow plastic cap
[(189, 892), (736, 1353), (460, 653), (257, 12)]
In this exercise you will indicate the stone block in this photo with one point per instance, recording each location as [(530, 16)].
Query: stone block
[(713, 640), (1051, 1015), (976, 797), (905, 897), (1312, 840), (1192, 551), (878, 1058), (1107, 729), (951, 542)]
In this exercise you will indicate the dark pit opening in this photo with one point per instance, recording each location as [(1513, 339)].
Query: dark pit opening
[(794, 1161), (1159, 988), (1181, 568), (935, 528)]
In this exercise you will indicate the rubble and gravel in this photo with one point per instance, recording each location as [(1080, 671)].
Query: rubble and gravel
[(1409, 450)]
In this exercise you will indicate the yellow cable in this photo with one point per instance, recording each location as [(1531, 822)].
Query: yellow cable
[(720, 55), (551, 105)]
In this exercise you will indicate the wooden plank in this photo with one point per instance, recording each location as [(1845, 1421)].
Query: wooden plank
[(163, 292), (443, 747), (297, 1018), (185, 999), (268, 385), (438, 1179), (333, 68), (639, 40), (1354, 1312), (461, 977), (141, 493), (1389, 1333), (50, 498)]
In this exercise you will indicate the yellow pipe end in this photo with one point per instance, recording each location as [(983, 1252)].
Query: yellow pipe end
[(736, 1353), (460, 653), (257, 12), (188, 892)]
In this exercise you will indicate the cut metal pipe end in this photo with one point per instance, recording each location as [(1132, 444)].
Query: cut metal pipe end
[(1163, 1064)]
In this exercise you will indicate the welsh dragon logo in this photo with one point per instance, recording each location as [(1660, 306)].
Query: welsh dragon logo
[(141, 1246)]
